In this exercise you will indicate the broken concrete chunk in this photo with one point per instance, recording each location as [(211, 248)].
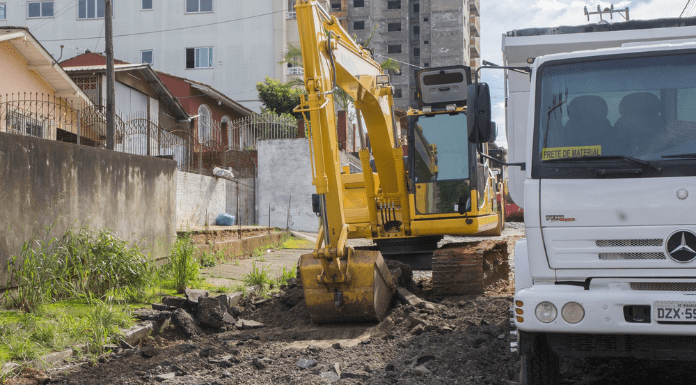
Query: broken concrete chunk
[(165, 377), (407, 297), (421, 371), (228, 319), (224, 301), (195, 294), (185, 323), (304, 363), (211, 312), (243, 324), (160, 307), (331, 376)]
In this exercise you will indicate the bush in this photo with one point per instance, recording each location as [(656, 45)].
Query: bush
[(92, 263), (260, 277), (181, 269)]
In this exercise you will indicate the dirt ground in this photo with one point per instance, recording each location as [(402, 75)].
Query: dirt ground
[(453, 340)]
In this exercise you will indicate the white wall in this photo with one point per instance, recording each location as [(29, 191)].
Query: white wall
[(244, 43), (194, 195), (284, 171)]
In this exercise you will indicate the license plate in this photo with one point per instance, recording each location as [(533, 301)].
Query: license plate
[(674, 311)]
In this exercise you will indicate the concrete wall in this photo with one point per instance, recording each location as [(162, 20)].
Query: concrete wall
[(200, 199), (284, 171), (48, 183), (197, 196)]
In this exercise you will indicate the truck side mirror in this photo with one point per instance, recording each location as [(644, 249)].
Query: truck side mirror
[(494, 133), (478, 116)]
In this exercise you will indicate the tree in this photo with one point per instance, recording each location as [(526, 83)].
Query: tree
[(279, 97)]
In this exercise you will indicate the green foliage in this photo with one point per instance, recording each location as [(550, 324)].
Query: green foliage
[(293, 56), (208, 260), (105, 321), (93, 262), (287, 274), (279, 97), (181, 269), (260, 277)]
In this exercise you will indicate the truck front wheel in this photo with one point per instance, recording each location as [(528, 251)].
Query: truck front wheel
[(540, 365)]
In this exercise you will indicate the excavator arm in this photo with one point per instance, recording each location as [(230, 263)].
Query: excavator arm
[(340, 283)]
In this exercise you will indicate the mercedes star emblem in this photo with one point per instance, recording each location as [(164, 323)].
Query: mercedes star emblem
[(681, 246)]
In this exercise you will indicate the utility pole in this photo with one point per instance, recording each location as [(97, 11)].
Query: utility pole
[(110, 76)]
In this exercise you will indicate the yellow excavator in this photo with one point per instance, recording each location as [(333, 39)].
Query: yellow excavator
[(405, 204)]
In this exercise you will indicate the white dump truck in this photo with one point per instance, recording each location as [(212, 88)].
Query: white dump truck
[(602, 127)]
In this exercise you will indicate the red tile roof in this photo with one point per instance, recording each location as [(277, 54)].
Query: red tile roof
[(88, 59)]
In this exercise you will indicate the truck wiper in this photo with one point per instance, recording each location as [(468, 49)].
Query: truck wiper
[(604, 157), (687, 156)]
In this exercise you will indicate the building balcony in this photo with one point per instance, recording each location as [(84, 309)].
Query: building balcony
[(291, 15), (474, 7), (475, 47), (295, 71), (474, 26)]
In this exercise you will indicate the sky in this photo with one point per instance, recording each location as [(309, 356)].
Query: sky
[(500, 16)]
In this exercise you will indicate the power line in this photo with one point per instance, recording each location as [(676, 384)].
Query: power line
[(688, 2), (174, 29)]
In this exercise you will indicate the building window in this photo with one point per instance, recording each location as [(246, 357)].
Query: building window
[(426, 42), (225, 124), (198, 6), (416, 52), (359, 24), (426, 64), (146, 5), (397, 93), (358, 3), (416, 30), (91, 9), (394, 4), (335, 6), (3, 11), (394, 48), (204, 132), (199, 57), (416, 8), (39, 9), (425, 19), (147, 57), (394, 27)]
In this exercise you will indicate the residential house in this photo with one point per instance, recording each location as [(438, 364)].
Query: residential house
[(214, 130), (150, 120), (37, 97)]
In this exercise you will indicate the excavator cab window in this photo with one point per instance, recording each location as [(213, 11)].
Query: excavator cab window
[(441, 162)]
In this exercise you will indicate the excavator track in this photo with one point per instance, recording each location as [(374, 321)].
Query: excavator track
[(469, 267)]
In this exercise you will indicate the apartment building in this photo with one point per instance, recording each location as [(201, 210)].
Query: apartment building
[(416, 33), (230, 45)]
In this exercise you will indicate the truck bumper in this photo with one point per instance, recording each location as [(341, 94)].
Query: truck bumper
[(604, 306)]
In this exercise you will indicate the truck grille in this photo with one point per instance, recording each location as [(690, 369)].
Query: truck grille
[(628, 242), (616, 344), (631, 256), (664, 286)]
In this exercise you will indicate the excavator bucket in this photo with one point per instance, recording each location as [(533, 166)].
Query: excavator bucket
[(363, 297)]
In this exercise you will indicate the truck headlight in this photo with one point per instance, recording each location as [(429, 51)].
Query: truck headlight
[(546, 312), (573, 312)]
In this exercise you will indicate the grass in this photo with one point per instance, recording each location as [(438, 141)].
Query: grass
[(287, 274), (258, 276), (297, 243), (80, 288), (181, 269)]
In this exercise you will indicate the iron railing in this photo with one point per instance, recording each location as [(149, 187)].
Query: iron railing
[(196, 147)]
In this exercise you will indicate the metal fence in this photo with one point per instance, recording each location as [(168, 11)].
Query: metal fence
[(197, 146)]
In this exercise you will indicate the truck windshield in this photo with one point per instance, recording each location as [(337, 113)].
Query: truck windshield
[(642, 107)]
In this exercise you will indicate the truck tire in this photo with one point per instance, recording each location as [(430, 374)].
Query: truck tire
[(540, 366)]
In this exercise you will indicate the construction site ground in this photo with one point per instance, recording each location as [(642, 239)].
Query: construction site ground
[(451, 340)]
